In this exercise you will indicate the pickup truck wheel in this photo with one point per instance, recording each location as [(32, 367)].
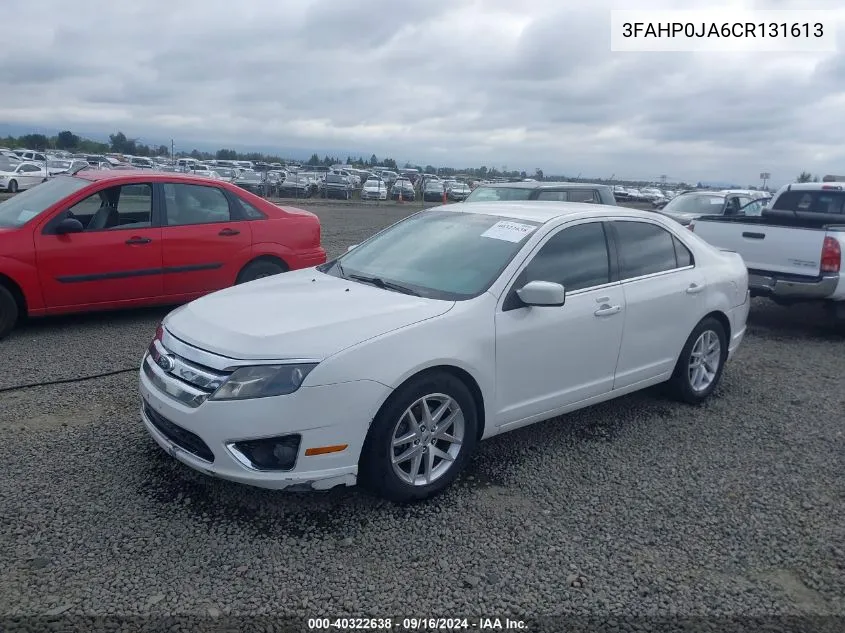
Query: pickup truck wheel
[(700, 365), (9, 312), (421, 439)]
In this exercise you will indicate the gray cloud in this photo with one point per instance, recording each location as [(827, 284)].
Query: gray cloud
[(491, 82)]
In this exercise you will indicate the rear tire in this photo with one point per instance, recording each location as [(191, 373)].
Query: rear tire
[(701, 363), (459, 421), (13, 186), (9, 311), (259, 270)]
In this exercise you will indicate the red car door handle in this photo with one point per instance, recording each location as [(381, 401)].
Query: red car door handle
[(138, 240), (228, 232)]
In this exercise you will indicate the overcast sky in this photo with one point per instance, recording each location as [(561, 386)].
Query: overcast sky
[(520, 83)]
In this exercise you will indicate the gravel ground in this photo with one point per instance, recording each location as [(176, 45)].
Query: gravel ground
[(640, 507)]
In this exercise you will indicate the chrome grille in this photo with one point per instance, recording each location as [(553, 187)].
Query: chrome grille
[(193, 382)]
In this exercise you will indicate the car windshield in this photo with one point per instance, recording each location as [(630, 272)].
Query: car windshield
[(695, 203), (491, 194), (372, 183), (438, 254), (250, 175), (31, 203), (223, 172), (60, 164)]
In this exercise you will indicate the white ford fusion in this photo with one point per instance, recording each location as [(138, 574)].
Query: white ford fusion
[(387, 365)]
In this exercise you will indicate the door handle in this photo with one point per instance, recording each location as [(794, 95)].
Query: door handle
[(754, 236), (608, 310), (228, 232), (138, 240), (694, 289)]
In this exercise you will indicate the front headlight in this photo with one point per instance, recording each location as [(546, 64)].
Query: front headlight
[(262, 381)]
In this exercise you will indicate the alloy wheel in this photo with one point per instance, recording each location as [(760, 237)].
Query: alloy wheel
[(704, 361), (427, 439)]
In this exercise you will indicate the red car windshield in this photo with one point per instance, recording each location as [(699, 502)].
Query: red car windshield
[(29, 204)]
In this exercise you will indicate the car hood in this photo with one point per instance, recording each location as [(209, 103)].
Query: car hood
[(300, 314)]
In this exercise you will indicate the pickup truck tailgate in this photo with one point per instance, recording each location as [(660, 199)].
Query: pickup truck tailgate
[(777, 249)]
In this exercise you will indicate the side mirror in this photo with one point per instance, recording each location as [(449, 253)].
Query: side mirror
[(69, 225), (542, 293), (351, 247)]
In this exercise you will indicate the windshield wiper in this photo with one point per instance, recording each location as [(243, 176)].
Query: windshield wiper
[(386, 285)]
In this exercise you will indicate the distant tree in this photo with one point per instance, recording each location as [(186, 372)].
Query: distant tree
[(162, 150), (430, 169), (804, 176), (538, 174), (67, 140), (314, 160), (195, 154), (815, 179), (34, 141), (226, 154), (373, 160), (389, 163)]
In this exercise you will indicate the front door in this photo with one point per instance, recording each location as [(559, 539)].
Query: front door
[(116, 258), (551, 357), (204, 241)]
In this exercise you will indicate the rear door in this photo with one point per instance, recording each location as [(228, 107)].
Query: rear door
[(664, 299), (116, 258), (206, 241)]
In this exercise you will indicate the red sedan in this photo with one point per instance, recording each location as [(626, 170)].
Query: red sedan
[(118, 239)]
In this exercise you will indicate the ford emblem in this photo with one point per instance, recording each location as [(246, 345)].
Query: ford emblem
[(166, 363)]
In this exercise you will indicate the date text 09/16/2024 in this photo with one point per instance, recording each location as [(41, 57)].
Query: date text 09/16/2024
[(416, 624)]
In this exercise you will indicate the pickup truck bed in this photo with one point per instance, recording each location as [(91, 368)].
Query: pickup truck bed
[(791, 256)]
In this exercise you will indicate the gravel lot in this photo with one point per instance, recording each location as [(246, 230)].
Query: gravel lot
[(639, 507)]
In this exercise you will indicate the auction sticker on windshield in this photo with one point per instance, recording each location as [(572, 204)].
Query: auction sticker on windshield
[(508, 231)]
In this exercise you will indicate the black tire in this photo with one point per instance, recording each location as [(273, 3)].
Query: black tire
[(376, 472), (680, 385), (9, 311), (13, 186), (260, 269)]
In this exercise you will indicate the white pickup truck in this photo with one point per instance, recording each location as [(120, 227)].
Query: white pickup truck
[(793, 248)]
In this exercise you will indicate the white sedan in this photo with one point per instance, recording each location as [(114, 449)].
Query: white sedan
[(387, 365), (14, 178), (374, 190)]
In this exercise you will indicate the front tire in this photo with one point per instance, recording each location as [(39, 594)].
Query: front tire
[(259, 269), (13, 186), (9, 312), (701, 363), (421, 439)]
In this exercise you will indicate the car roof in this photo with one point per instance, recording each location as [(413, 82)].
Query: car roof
[(114, 174), (543, 185), (543, 211)]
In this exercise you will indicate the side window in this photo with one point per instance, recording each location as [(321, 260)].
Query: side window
[(30, 168), (195, 204), (576, 257), (683, 257), (251, 212), (644, 249), (556, 196), (583, 195), (126, 206)]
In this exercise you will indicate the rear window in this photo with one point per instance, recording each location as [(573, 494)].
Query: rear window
[(495, 194), (828, 202)]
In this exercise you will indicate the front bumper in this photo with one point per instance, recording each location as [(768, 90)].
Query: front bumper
[(329, 415)]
